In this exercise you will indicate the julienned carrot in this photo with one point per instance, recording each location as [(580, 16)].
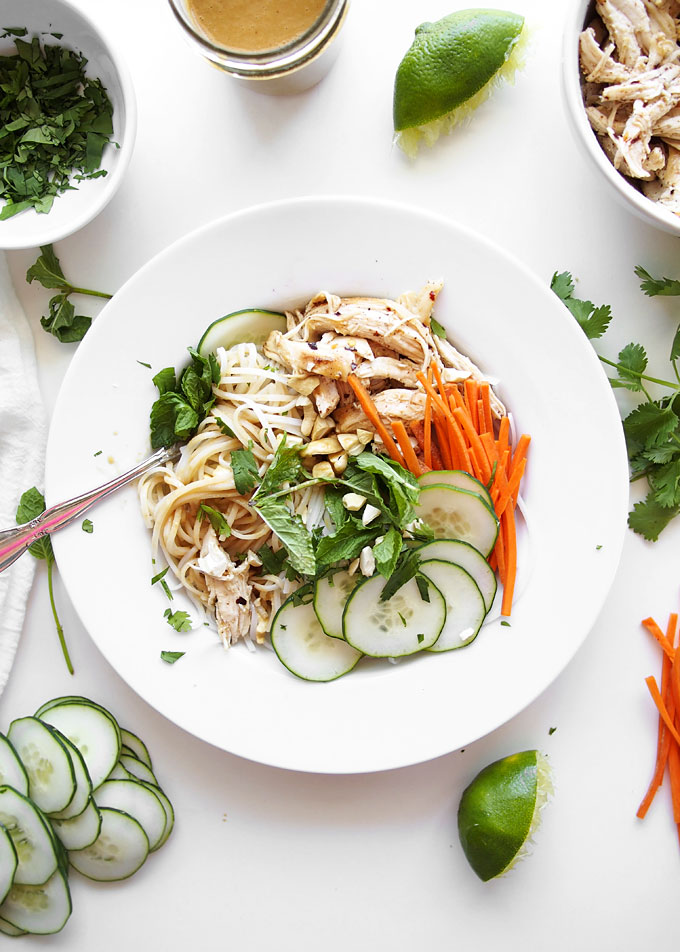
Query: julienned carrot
[(442, 439), (406, 447), (508, 531), (663, 743), (470, 389), (661, 707), (371, 412), (503, 435), (654, 630), (509, 491), (485, 396), (457, 440), (427, 434), (476, 449)]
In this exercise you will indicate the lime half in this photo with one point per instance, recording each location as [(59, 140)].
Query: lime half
[(451, 68), (500, 811)]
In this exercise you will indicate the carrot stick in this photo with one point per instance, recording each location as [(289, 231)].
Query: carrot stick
[(371, 412), (442, 441), (476, 448), (471, 389), (427, 436), (671, 628), (438, 378), (503, 441), (510, 491), (465, 458), (490, 449), (661, 707), (675, 680), (485, 395), (654, 629), (499, 552), (674, 774), (510, 545), (406, 447), (663, 744)]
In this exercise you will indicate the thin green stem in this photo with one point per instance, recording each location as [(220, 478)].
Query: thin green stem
[(635, 373), (60, 630), (100, 294)]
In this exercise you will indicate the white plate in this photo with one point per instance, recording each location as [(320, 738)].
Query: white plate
[(381, 715)]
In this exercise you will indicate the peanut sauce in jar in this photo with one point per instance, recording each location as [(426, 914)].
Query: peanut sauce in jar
[(254, 25)]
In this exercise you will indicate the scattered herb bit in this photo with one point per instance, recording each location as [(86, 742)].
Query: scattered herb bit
[(597, 548), (421, 639), (423, 587), (183, 401), (55, 123), (285, 467), (171, 656), (98, 453), (31, 505), (160, 575), (143, 363), (62, 320), (178, 620), (88, 525), (652, 429), (245, 469), (217, 520), (403, 620), (224, 427), (506, 624), (272, 562), (437, 329), (552, 730), (13, 31)]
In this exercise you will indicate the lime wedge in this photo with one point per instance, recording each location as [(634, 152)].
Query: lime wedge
[(500, 811), (450, 69)]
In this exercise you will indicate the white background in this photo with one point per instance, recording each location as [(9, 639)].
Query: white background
[(263, 858)]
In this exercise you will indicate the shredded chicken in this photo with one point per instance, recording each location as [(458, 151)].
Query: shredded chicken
[(230, 598), (630, 60)]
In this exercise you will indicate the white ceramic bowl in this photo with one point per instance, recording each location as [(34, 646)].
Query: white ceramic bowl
[(74, 208), (622, 188)]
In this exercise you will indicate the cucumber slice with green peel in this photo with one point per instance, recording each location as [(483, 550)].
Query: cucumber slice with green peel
[(251, 325), (8, 862), (80, 831), (454, 513), (51, 777), (457, 478), (401, 625), (68, 699), (303, 646), (119, 772), (40, 910), (465, 608), (93, 731), (469, 558), (8, 929), (330, 595), (32, 837), (12, 771), (137, 769), (83, 783), (135, 746), (139, 801), (169, 811), (117, 853)]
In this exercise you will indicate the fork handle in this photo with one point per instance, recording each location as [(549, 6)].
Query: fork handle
[(16, 540)]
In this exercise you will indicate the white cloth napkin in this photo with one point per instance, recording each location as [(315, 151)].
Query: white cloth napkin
[(22, 450)]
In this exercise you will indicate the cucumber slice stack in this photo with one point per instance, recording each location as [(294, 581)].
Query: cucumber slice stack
[(76, 790)]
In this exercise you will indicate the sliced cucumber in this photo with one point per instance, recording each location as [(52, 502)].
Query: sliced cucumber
[(67, 699), (251, 325), (92, 730), (51, 777), (303, 646), (469, 558), (465, 608), (330, 595), (401, 625), (119, 772), (8, 929), (136, 768), (457, 478), (12, 771), (169, 811), (135, 746), (80, 831), (458, 514), (117, 853), (32, 837), (40, 910), (83, 782), (8, 862), (139, 801)]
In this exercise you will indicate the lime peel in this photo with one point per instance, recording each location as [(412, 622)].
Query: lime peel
[(500, 811), (409, 139)]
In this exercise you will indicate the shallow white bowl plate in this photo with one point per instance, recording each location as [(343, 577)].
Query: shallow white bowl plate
[(381, 715), (74, 208)]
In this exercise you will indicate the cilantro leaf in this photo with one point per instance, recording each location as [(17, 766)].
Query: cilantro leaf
[(217, 520), (649, 518), (245, 469), (593, 320), (171, 656), (178, 620), (88, 525), (562, 284), (675, 346), (632, 364), (655, 286), (292, 533), (650, 423), (665, 481), (272, 562)]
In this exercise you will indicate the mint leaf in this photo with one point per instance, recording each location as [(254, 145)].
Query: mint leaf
[(655, 286), (346, 543), (387, 552), (225, 428), (406, 569), (285, 467), (245, 469), (292, 533), (31, 505), (63, 322), (272, 562), (47, 270), (172, 419), (171, 656)]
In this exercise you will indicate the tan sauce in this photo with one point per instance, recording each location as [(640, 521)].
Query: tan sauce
[(251, 26)]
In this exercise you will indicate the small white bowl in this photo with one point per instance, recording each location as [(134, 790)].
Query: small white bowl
[(75, 207), (623, 189)]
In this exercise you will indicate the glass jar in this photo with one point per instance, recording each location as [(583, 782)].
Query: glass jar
[(291, 67)]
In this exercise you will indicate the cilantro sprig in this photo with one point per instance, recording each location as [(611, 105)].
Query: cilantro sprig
[(652, 428), (61, 321), (31, 505)]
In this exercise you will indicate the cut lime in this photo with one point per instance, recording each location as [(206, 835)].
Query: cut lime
[(500, 811), (450, 69)]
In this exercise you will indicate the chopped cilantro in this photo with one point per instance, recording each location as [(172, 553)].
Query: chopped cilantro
[(171, 656), (245, 469), (506, 624), (552, 730), (178, 620), (217, 520), (88, 525), (143, 363)]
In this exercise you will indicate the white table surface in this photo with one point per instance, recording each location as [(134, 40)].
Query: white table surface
[(264, 858)]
